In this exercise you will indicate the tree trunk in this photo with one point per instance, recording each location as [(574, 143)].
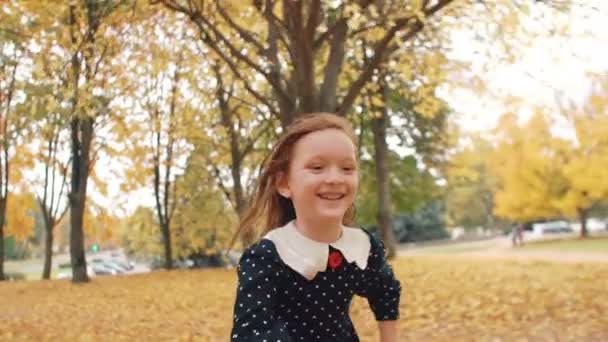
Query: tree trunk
[(167, 244), (488, 201), (4, 176), (287, 118), (48, 250), (582, 214), (2, 205), (240, 203), (383, 187), (248, 237), (327, 94), (82, 134)]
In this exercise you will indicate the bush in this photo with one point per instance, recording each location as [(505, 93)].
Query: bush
[(14, 250), (425, 224), (14, 276)]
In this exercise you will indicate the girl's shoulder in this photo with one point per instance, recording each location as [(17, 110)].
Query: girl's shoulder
[(375, 242), (262, 248)]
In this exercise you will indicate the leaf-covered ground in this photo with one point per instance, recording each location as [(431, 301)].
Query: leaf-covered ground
[(443, 300)]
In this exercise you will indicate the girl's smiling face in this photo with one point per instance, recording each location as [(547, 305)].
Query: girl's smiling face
[(322, 179)]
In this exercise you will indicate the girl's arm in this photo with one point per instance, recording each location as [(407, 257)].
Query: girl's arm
[(382, 290), (258, 274), (388, 331)]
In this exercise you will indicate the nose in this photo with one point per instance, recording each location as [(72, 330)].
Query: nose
[(334, 175)]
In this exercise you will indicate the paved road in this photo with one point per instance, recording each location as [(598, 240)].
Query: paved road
[(34, 266)]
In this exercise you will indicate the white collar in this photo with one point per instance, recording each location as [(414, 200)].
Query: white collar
[(308, 257)]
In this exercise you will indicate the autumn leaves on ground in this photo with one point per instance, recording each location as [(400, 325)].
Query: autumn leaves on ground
[(443, 299)]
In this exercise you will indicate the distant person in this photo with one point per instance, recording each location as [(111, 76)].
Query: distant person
[(517, 235), (298, 281)]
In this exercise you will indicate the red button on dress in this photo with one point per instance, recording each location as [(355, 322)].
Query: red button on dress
[(335, 260)]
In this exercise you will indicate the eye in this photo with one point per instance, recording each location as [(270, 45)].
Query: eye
[(348, 168), (316, 167)]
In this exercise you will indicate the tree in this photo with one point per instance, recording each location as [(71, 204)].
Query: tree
[(20, 216), (12, 54), (162, 119), (204, 214), (46, 90), (304, 56), (400, 95), (298, 48), (527, 164), (232, 137), (542, 176), (100, 226), (90, 30), (140, 233), (586, 158), (50, 201), (385, 215), (243, 136), (471, 184)]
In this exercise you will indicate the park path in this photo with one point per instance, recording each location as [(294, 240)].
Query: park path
[(500, 248)]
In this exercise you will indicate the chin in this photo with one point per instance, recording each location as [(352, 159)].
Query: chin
[(331, 215)]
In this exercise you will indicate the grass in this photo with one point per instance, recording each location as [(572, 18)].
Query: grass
[(590, 244), (442, 300)]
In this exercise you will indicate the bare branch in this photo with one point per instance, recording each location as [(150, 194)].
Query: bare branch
[(380, 51), (252, 140), (235, 70), (244, 34), (237, 53)]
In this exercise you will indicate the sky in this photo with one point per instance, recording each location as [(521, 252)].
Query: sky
[(550, 68)]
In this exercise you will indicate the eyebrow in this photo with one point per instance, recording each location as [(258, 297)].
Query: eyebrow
[(315, 158)]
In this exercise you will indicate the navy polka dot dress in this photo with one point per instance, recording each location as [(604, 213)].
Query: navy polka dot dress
[(275, 303)]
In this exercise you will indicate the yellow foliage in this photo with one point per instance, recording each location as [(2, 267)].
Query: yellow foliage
[(377, 101), (20, 214), (141, 234), (528, 166), (545, 176), (99, 225), (470, 185), (442, 300), (585, 168)]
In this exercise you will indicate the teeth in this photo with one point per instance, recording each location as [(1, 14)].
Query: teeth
[(331, 197)]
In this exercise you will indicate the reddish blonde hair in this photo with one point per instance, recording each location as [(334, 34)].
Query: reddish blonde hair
[(267, 207)]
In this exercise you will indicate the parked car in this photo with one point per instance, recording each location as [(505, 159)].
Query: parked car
[(127, 265), (593, 225), (103, 269), (116, 265), (539, 230)]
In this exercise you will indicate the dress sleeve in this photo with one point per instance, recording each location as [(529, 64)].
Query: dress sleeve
[(380, 286), (259, 273)]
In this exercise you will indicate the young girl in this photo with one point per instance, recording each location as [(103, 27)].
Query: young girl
[(297, 282)]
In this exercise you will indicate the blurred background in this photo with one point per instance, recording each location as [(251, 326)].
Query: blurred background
[(132, 131)]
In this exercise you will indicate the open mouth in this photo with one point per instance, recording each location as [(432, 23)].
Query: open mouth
[(331, 196)]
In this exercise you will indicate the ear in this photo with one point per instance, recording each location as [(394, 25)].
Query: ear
[(283, 185)]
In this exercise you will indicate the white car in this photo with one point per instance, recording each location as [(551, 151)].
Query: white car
[(548, 229), (593, 225)]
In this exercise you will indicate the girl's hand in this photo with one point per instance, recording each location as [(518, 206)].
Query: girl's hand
[(388, 331)]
